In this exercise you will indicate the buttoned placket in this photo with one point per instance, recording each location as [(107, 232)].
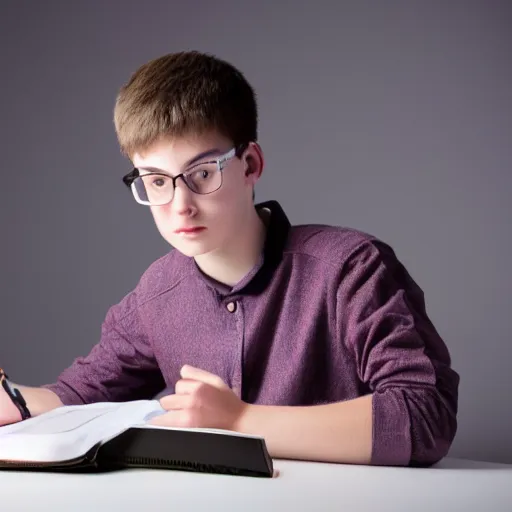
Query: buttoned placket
[(234, 307)]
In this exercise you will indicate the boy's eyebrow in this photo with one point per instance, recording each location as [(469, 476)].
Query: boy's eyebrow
[(193, 160)]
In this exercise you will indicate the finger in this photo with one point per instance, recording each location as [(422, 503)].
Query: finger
[(187, 386), (175, 402), (190, 372)]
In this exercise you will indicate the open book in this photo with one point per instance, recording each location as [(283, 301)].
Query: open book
[(106, 436)]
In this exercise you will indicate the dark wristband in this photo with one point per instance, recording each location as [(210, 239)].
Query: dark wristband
[(15, 395)]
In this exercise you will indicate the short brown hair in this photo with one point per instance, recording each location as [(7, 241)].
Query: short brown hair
[(184, 93)]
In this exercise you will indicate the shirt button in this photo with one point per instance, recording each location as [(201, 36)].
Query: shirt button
[(231, 306)]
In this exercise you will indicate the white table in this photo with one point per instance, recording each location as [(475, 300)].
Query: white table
[(453, 485)]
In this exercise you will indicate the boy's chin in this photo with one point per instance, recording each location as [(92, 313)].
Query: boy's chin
[(190, 250)]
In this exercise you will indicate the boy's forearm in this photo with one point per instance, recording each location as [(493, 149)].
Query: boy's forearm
[(339, 432), (39, 400)]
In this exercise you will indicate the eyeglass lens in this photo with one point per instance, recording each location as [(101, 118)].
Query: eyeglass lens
[(158, 189)]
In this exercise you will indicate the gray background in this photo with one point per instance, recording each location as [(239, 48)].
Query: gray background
[(391, 117)]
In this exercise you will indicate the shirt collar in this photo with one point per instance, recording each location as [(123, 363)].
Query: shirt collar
[(278, 227)]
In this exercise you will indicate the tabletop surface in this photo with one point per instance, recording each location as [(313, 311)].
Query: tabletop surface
[(453, 484)]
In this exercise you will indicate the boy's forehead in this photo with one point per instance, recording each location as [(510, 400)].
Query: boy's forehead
[(178, 152)]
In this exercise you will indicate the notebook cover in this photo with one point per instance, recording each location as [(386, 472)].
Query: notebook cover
[(87, 463), (186, 450)]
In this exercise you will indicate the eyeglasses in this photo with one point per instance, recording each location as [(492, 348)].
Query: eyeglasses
[(157, 188)]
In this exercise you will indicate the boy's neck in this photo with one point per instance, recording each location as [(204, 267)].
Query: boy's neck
[(232, 264)]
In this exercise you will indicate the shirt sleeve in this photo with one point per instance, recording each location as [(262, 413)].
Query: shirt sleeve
[(121, 367), (400, 357)]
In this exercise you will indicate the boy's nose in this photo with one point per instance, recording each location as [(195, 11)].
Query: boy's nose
[(182, 201)]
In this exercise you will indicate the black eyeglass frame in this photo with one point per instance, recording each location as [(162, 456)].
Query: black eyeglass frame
[(129, 178)]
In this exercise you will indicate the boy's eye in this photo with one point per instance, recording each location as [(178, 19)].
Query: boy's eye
[(203, 174), (157, 181)]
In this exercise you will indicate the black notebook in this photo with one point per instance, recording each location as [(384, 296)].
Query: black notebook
[(109, 436)]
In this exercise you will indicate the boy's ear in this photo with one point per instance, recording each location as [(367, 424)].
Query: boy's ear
[(254, 160), (251, 165)]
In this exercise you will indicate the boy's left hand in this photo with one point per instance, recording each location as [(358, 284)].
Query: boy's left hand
[(201, 400)]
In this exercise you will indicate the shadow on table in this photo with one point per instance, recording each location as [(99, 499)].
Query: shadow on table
[(470, 465)]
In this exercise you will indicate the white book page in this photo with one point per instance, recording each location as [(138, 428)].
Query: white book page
[(69, 432), (218, 431)]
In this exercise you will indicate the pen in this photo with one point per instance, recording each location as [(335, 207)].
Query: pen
[(15, 395)]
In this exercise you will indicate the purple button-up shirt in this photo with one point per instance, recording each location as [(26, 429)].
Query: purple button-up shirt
[(328, 314)]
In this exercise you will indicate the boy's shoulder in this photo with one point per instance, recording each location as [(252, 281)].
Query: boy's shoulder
[(162, 275), (329, 243)]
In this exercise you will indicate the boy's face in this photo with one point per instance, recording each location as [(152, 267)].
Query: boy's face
[(221, 214)]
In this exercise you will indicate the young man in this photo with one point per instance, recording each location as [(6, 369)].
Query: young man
[(314, 337)]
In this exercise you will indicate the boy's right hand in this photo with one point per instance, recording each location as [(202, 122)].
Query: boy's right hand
[(9, 413)]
